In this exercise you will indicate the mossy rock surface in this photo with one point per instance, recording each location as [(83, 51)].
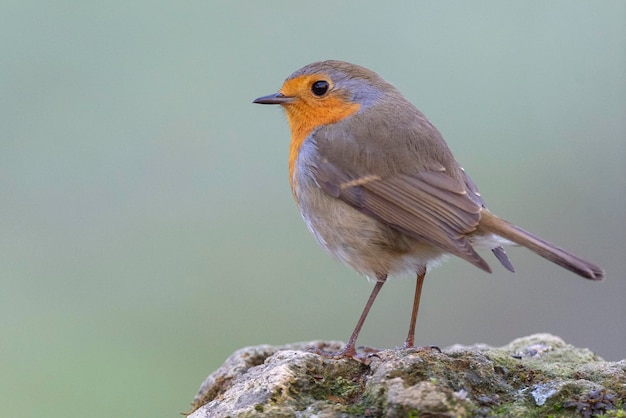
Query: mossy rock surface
[(535, 376)]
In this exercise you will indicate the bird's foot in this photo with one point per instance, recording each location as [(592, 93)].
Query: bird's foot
[(425, 348), (364, 354)]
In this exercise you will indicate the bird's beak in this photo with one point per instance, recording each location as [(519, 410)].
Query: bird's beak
[(276, 98)]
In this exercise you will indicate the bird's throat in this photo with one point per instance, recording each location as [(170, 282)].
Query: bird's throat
[(303, 119)]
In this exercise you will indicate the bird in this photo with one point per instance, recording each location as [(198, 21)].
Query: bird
[(379, 188)]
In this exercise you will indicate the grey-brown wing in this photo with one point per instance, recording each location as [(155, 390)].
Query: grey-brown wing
[(499, 252), (430, 206)]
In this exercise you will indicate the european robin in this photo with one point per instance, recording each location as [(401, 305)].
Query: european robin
[(379, 188)]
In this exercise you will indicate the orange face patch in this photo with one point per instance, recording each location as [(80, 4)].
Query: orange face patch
[(307, 111)]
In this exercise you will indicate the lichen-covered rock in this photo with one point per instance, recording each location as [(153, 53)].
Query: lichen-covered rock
[(534, 376)]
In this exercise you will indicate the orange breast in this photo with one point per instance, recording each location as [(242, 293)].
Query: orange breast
[(304, 117)]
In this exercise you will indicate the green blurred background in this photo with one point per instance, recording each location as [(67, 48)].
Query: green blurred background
[(147, 228)]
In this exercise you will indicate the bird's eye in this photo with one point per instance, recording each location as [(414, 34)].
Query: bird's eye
[(320, 88)]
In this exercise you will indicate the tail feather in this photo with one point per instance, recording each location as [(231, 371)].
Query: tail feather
[(503, 258), (492, 224)]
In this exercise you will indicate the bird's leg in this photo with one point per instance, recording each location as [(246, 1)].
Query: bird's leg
[(410, 339), (349, 350)]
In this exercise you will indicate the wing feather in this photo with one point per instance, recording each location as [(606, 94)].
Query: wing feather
[(499, 252), (430, 206)]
